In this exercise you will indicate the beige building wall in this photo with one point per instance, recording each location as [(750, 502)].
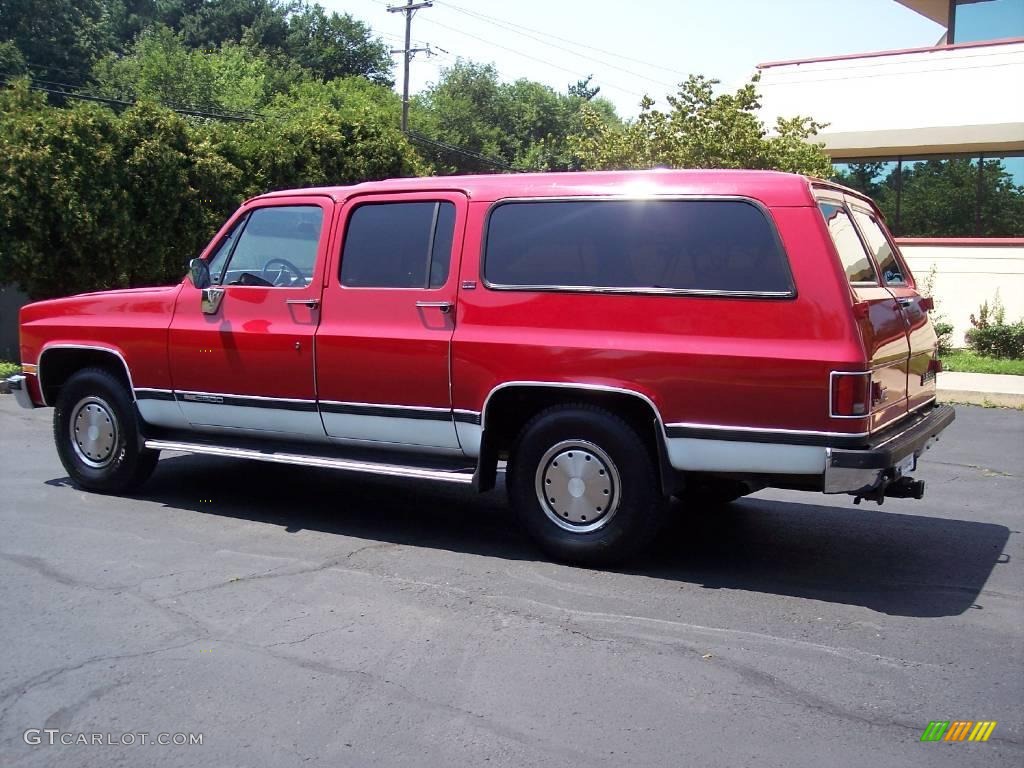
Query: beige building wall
[(966, 275), (947, 99)]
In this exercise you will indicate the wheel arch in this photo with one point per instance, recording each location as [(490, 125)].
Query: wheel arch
[(59, 362), (509, 406)]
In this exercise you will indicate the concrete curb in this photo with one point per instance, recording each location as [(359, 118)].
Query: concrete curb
[(987, 399)]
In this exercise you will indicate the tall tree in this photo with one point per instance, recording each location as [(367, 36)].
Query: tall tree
[(703, 129), (336, 45), (58, 40)]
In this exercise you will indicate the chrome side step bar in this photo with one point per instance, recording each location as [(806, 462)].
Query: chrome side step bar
[(462, 477)]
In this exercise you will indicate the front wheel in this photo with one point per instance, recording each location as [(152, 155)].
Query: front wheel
[(97, 434), (585, 486)]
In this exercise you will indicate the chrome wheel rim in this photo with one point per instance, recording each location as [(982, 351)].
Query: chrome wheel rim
[(578, 486), (93, 429)]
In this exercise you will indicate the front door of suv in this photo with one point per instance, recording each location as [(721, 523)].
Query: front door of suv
[(384, 343), (247, 364)]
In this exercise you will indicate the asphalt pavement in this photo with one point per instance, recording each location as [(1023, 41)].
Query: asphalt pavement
[(296, 617)]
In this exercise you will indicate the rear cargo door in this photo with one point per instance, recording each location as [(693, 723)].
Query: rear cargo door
[(879, 317), (898, 281)]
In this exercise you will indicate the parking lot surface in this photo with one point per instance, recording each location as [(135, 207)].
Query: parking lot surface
[(292, 616)]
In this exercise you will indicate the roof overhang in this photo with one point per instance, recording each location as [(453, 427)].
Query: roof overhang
[(936, 10)]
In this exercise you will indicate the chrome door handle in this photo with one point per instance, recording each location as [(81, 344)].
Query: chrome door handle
[(311, 303), (905, 301), (444, 306)]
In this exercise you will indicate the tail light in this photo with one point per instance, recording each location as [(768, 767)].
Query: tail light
[(851, 394)]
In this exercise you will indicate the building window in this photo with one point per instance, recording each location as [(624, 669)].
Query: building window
[(973, 21), (943, 196)]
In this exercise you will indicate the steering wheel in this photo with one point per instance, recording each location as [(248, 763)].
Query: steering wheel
[(296, 273)]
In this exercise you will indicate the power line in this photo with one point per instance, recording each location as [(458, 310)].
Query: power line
[(501, 22), (508, 26), (419, 138), (75, 92), (573, 72)]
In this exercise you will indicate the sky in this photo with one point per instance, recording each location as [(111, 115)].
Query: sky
[(637, 47)]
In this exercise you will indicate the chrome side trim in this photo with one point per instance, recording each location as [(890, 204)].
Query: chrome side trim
[(151, 393), (390, 470), (46, 348), (182, 394), (573, 385), (765, 430), (466, 417), (386, 409)]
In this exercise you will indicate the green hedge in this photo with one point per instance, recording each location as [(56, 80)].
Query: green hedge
[(1000, 341), (93, 199)]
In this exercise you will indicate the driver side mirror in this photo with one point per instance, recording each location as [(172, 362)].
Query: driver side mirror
[(199, 272)]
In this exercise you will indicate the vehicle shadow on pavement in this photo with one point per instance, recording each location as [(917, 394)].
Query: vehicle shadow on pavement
[(898, 564)]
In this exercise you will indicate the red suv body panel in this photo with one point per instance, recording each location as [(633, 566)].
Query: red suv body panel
[(416, 367)]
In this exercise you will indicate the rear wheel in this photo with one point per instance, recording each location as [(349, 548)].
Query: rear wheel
[(585, 486), (97, 434)]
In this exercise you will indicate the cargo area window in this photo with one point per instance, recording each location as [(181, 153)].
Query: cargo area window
[(398, 245), (882, 250), (858, 266), (700, 246)]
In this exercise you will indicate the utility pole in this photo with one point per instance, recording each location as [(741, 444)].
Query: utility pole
[(408, 9)]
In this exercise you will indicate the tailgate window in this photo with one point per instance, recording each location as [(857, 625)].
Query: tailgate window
[(858, 266), (885, 255)]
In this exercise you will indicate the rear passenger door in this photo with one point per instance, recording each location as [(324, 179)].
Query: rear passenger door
[(879, 317), (384, 342)]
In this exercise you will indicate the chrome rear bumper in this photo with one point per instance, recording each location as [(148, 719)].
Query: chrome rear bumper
[(888, 457), (19, 389)]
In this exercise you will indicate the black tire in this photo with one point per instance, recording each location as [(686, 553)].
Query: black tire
[(636, 509), (112, 461)]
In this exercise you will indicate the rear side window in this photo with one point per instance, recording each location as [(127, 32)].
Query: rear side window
[(716, 246), (885, 256), (858, 266), (398, 245)]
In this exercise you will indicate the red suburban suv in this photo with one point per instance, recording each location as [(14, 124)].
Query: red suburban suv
[(611, 339)]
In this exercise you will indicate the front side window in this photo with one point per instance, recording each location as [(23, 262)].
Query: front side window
[(277, 247), (219, 258), (856, 262), (704, 246), (885, 256), (398, 245)]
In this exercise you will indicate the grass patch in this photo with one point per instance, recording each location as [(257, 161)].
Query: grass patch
[(966, 361), (9, 369)]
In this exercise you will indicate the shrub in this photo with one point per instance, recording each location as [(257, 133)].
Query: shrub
[(1002, 341), (945, 333)]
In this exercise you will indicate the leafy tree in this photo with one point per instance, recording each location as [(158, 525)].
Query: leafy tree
[(58, 39), (91, 198), (160, 67), (336, 45), (522, 124), (703, 129), (583, 89)]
